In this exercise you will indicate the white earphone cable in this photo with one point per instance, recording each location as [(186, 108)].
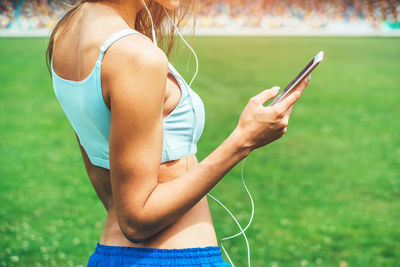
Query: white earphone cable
[(191, 49), (252, 203), (242, 231), (153, 32)]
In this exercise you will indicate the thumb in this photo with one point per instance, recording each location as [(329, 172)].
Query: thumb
[(266, 95)]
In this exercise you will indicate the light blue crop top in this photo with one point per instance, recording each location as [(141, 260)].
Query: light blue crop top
[(83, 104)]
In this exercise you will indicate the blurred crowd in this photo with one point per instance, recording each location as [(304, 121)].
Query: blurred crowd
[(281, 13), (34, 14), (31, 14), (40, 14), (6, 13)]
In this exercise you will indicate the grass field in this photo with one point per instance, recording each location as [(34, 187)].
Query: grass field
[(326, 194)]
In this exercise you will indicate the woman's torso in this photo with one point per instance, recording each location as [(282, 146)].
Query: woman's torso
[(75, 54)]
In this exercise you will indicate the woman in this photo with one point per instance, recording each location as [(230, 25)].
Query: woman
[(137, 123)]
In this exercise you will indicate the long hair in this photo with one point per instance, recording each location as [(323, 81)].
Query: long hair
[(165, 34)]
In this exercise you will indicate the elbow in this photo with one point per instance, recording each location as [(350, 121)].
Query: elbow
[(135, 235), (138, 224), (137, 232)]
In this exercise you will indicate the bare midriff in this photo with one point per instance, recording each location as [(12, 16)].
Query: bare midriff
[(194, 229)]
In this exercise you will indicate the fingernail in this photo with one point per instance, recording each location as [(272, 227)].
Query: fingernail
[(309, 77), (276, 89)]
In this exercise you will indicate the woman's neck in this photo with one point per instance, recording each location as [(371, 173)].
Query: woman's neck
[(126, 9)]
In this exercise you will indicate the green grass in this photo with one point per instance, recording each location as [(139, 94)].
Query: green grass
[(327, 192)]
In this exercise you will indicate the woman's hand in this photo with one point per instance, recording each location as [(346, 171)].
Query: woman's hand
[(259, 125)]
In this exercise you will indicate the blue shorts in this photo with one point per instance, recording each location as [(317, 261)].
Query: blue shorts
[(140, 257)]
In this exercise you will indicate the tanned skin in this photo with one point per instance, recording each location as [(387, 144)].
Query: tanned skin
[(150, 204)]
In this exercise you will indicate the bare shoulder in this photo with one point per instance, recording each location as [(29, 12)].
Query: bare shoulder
[(134, 52), (133, 67)]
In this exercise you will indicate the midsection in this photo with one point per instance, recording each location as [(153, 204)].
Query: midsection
[(194, 229)]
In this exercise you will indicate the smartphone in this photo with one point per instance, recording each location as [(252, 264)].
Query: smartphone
[(299, 78)]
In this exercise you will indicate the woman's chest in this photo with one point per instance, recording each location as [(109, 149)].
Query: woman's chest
[(173, 95)]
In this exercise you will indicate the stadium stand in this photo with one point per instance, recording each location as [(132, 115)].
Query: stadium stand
[(264, 15), (31, 14), (7, 11), (300, 14)]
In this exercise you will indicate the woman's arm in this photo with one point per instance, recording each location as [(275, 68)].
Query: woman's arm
[(136, 82)]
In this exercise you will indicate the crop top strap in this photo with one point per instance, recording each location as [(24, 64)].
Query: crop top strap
[(115, 37)]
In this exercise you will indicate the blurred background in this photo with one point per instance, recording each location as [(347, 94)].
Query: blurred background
[(244, 16), (326, 194)]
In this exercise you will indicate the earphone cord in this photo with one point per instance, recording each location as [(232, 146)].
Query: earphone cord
[(242, 231), (191, 49), (153, 32)]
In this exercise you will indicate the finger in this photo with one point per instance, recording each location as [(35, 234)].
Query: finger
[(300, 88), (288, 112), (285, 104), (303, 84), (265, 95)]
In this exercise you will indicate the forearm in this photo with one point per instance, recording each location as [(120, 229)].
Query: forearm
[(169, 201)]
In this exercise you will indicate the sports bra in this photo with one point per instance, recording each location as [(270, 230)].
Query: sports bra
[(83, 104)]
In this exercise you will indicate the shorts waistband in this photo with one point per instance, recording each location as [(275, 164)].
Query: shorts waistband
[(195, 255)]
